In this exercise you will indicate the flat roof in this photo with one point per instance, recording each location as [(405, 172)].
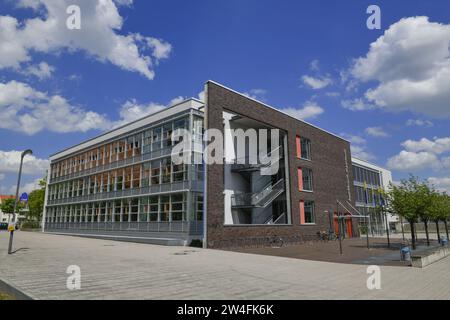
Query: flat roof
[(368, 164)]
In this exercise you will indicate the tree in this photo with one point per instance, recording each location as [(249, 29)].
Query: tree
[(399, 203), (436, 210), (410, 200), (423, 197), (36, 200), (7, 206)]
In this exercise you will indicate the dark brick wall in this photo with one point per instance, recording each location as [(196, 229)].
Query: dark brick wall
[(328, 165)]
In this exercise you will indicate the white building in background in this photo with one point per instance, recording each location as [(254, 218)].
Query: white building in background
[(368, 179), (4, 217)]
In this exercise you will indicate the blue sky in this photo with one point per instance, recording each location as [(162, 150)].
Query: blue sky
[(311, 58)]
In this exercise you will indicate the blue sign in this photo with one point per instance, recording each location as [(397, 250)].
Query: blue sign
[(24, 197)]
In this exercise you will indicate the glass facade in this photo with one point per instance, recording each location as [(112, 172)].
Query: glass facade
[(129, 182), (367, 184)]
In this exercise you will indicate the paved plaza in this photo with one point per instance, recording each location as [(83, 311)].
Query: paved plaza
[(122, 270)]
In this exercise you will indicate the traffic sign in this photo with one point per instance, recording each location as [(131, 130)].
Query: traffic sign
[(24, 197)]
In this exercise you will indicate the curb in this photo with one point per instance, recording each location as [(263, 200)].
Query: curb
[(12, 290)]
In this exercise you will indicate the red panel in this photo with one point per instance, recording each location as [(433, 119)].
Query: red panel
[(298, 147), (300, 179), (302, 212)]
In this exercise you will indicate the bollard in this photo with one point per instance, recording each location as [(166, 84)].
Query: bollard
[(405, 254)]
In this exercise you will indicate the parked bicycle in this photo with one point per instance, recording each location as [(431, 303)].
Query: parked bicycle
[(277, 242)]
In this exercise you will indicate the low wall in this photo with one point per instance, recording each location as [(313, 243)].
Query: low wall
[(426, 257)]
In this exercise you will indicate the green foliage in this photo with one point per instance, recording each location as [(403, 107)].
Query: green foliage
[(26, 225), (439, 208), (7, 206), (36, 202), (414, 199)]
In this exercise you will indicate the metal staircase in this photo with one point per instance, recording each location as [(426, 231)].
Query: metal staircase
[(259, 199)]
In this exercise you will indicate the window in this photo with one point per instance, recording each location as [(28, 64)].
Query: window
[(177, 209), (117, 209), (167, 135), (155, 171), (136, 176), (307, 212), (164, 208), (127, 178), (304, 179), (156, 138), (179, 172), (166, 170), (303, 148), (153, 206), (134, 209), (144, 209), (145, 174)]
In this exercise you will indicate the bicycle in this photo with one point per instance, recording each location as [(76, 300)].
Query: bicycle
[(276, 242)]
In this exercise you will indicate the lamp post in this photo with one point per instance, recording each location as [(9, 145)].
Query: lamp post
[(11, 234)]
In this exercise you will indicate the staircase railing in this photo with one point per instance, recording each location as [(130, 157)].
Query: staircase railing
[(255, 199)]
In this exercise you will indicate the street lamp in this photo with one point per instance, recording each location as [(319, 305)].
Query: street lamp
[(11, 234)]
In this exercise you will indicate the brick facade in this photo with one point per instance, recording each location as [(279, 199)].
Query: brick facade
[(330, 178)]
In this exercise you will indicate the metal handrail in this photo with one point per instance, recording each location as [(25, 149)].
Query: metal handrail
[(255, 197)]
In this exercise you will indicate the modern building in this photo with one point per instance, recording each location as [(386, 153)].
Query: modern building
[(5, 217), (370, 181), (124, 183)]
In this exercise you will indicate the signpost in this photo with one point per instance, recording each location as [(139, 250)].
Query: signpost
[(23, 197)]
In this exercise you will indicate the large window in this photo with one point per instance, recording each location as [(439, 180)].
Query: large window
[(305, 179), (179, 172), (307, 212), (177, 205), (166, 167), (164, 208), (303, 148), (155, 172), (153, 206)]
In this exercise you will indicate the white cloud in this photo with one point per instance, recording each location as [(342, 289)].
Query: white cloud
[(98, 37), (419, 123), (437, 145), (27, 110), (440, 183), (309, 110), (377, 132), (316, 82), (333, 94), (10, 162), (356, 104), (354, 138), (257, 94), (42, 70), (124, 2), (411, 64), (132, 110), (27, 187), (314, 65), (412, 161), (358, 146), (360, 151)]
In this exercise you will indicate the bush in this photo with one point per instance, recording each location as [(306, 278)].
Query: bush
[(30, 225), (196, 243), (363, 230)]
